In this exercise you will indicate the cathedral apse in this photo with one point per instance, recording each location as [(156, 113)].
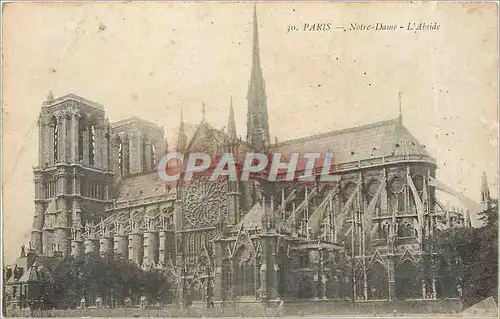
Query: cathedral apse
[(361, 238)]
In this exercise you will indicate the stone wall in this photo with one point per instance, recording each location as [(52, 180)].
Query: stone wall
[(258, 309), (340, 307)]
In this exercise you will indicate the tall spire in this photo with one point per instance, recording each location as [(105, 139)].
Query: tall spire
[(231, 123), (181, 138), (400, 109), (255, 51), (203, 112), (257, 117)]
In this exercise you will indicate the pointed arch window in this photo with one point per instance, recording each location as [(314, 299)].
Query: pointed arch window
[(55, 138), (126, 156), (153, 158), (119, 144), (81, 131), (92, 144), (144, 154), (397, 195)]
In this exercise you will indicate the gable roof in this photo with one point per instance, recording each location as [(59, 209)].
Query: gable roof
[(193, 132), (381, 139), (140, 186), (205, 130), (252, 219), (189, 129)]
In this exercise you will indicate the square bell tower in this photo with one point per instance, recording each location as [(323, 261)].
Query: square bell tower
[(73, 176)]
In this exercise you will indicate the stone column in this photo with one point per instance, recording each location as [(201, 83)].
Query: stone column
[(233, 208), (77, 240), (99, 146), (121, 242), (91, 245), (151, 247), (322, 277), (86, 144), (127, 166), (256, 276), (434, 292), (269, 268), (166, 246), (74, 138), (337, 284), (391, 277), (62, 223), (263, 280), (77, 244), (41, 141), (63, 241), (136, 249), (48, 232), (236, 278), (424, 292), (48, 147), (135, 163), (147, 156), (218, 269), (62, 137), (106, 245), (38, 221), (231, 287), (162, 246)]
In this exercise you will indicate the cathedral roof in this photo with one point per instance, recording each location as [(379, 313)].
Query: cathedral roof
[(133, 120), (194, 133), (252, 219), (72, 97), (381, 139), (140, 186)]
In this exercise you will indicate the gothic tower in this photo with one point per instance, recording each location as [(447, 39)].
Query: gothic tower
[(72, 177), (232, 147), (485, 191), (257, 118)]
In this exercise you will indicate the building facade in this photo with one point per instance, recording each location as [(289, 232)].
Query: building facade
[(362, 238)]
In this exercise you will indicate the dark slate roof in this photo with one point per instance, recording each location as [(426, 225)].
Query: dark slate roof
[(252, 219), (41, 268), (381, 139), (141, 186)]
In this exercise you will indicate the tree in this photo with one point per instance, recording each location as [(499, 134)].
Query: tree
[(469, 259), (106, 277), (490, 215)]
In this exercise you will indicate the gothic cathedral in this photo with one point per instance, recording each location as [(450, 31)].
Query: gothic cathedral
[(363, 238)]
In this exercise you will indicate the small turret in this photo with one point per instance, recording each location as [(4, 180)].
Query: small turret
[(231, 123), (50, 96), (181, 138), (485, 191)]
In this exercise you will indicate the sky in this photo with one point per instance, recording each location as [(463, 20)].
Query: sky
[(152, 59)]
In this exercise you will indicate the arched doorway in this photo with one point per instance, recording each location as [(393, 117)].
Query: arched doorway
[(283, 273), (408, 283), (378, 282), (244, 272)]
